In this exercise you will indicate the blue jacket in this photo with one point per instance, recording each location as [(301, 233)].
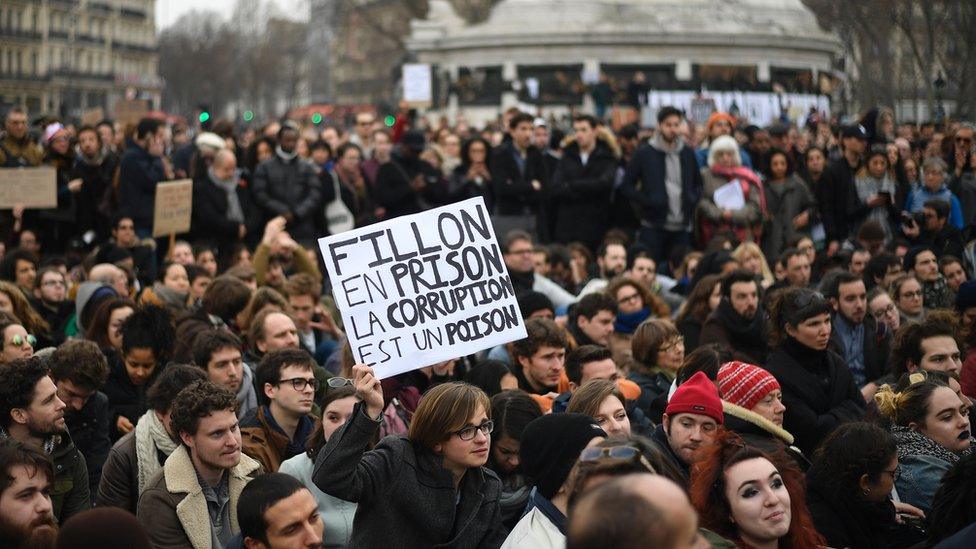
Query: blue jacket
[(920, 195), (919, 479), (648, 168), (139, 172)]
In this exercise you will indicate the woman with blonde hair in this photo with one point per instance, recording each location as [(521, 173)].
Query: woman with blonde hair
[(430, 488), (751, 257), (930, 423)]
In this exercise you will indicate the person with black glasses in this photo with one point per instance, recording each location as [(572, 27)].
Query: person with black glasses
[(279, 427), (430, 488), (818, 388)]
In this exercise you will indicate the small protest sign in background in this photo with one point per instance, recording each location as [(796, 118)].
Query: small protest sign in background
[(423, 288), (30, 187), (174, 205)]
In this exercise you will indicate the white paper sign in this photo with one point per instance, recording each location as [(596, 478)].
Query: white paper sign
[(730, 196), (417, 86), (423, 288)]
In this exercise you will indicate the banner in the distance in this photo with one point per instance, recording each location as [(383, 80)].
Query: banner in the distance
[(423, 288)]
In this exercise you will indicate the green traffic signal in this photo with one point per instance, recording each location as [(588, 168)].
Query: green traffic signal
[(316, 119), (204, 116), (248, 116), (389, 120)]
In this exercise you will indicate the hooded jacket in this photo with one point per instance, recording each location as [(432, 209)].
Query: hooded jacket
[(760, 432), (174, 510), (70, 493), (577, 187), (406, 498)]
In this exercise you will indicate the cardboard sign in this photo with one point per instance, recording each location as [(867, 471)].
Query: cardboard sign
[(131, 111), (417, 85), (34, 188), (423, 288), (174, 206)]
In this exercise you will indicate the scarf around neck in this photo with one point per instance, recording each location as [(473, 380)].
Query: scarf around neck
[(287, 157), (627, 323), (151, 438), (913, 443)]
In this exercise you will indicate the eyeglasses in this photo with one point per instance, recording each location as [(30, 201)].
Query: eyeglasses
[(470, 431), (592, 455), (338, 382), (672, 344), (628, 299), (18, 340), (883, 312), (299, 383)]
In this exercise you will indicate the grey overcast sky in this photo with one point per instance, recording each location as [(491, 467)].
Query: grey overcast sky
[(168, 11)]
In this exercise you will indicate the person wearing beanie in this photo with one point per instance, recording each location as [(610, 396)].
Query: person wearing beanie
[(690, 421), (818, 388), (105, 528), (719, 124), (752, 401), (550, 449)]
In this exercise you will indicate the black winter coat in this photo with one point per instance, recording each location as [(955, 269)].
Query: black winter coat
[(124, 398), (581, 194), (292, 187), (90, 430), (511, 187), (96, 182), (393, 191), (818, 392), (644, 184), (210, 221), (139, 172), (406, 498)]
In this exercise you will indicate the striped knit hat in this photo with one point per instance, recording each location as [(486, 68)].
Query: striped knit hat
[(744, 384)]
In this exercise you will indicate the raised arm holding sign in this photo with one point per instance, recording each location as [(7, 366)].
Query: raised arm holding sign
[(422, 288)]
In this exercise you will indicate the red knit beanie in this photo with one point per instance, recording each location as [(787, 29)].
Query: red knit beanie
[(699, 396), (744, 384)]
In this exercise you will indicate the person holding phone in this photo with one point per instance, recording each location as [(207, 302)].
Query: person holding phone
[(876, 190)]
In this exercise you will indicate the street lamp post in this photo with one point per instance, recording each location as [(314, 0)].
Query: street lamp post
[(939, 84)]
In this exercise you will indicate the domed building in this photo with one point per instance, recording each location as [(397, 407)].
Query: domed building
[(550, 54)]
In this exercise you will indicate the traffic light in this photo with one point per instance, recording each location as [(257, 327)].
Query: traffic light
[(248, 116), (204, 116), (316, 118), (389, 120)]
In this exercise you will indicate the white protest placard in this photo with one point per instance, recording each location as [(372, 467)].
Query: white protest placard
[(730, 196), (34, 188), (423, 288), (173, 207), (417, 85)]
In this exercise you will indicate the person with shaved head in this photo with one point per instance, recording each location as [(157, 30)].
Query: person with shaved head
[(221, 206)]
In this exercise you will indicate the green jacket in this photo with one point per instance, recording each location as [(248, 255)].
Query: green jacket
[(70, 493)]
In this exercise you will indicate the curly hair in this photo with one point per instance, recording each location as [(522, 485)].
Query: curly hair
[(13, 453), (150, 327), (32, 321), (20, 378), (849, 452), (652, 302), (170, 382), (197, 401), (709, 499)]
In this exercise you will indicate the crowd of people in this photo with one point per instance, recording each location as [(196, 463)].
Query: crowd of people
[(737, 336)]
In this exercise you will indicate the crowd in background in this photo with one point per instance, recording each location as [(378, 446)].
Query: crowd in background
[(736, 336)]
